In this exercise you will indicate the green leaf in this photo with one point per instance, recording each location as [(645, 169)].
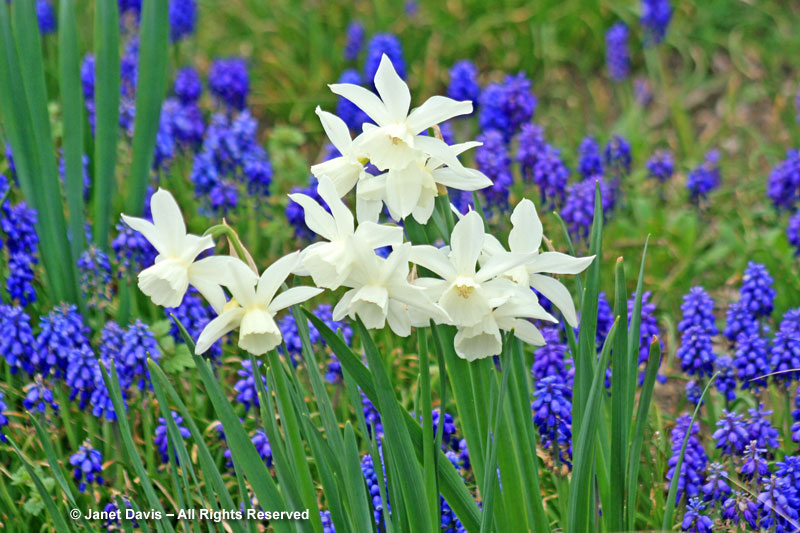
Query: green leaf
[(178, 362), (151, 86), (620, 382), (106, 101)]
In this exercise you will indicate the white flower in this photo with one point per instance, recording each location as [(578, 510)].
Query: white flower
[(381, 293), (254, 305), (412, 190), (396, 141), (467, 295), (329, 263), (174, 269), (485, 339), (346, 170), (526, 238)]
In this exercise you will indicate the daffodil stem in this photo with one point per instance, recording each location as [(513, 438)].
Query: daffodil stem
[(233, 238)]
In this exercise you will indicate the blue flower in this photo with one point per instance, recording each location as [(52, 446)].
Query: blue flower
[(88, 464), (739, 507), (161, 438), (617, 156), (783, 186), (39, 396), (655, 18), (188, 86), (705, 178), (493, 160), (245, 387), (371, 478), (694, 521), (355, 40), (505, 107), (3, 417), (757, 294), (717, 487), (182, 19), (696, 352), (660, 166), (448, 428), (618, 58), (351, 114), (578, 210), (552, 411), (726, 379), (789, 468), (550, 174), (61, 332), (132, 252), (94, 271), (698, 310), (739, 321), (19, 225), (605, 319), (785, 353), (693, 392), (531, 146), (327, 522), (19, 283), (690, 479), (760, 430), (380, 44), (62, 168), (731, 436), (372, 417), (752, 361), (194, 314), (754, 465), (550, 359), (138, 345), (229, 81), (778, 503), (464, 82), (82, 374), (45, 16), (261, 444), (793, 232), (590, 161)]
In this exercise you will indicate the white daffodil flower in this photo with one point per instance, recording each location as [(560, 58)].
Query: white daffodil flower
[(395, 142), (329, 263), (254, 305), (526, 238), (467, 295), (174, 269), (412, 190), (346, 170), (484, 339), (381, 293)]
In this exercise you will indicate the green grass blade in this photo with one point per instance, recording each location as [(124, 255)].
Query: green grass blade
[(643, 409), (72, 109), (151, 86), (428, 442), (669, 510), (580, 505), (635, 329), (112, 383), (107, 95), (620, 382), (398, 440), (59, 522), (354, 482)]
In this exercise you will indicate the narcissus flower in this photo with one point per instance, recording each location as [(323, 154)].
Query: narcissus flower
[(167, 280), (395, 141), (254, 305), (330, 263)]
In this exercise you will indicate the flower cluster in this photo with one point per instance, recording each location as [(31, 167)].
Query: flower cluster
[(705, 178), (690, 478), (88, 464)]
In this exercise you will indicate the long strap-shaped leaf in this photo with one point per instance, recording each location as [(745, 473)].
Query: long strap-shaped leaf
[(106, 100), (452, 486), (623, 377), (580, 487), (150, 87)]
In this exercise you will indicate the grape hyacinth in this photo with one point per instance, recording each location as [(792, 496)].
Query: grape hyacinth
[(384, 43), (550, 175), (351, 114), (760, 430), (552, 412), (694, 521), (618, 58), (464, 82), (785, 352), (752, 361), (39, 396), (3, 417), (187, 86), (531, 146), (660, 166), (261, 444), (783, 186), (738, 322), (229, 82), (371, 477), (245, 387), (754, 465), (194, 314), (705, 178), (690, 479), (45, 16), (731, 435), (726, 377), (161, 438), (757, 294), (740, 508), (617, 156), (372, 417), (19, 283), (355, 41), (696, 352), (693, 392), (590, 161), (550, 360), (132, 251), (505, 107), (493, 160), (717, 487), (138, 345), (655, 18), (61, 332), (578, 210), (88, 464), (697, 309), (182, 19), (82, 374), (94, 271), (778, 503)]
